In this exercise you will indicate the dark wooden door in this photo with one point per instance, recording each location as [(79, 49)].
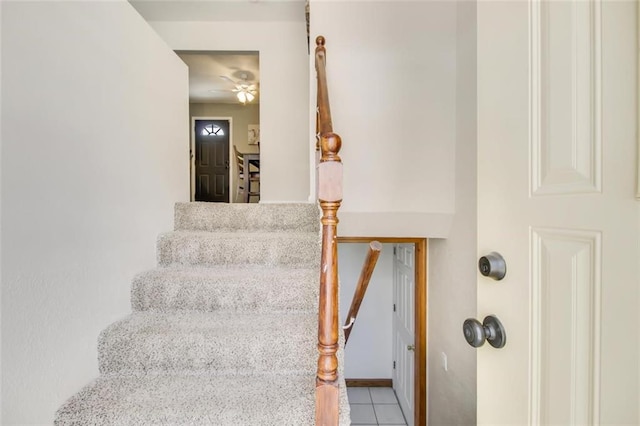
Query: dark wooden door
[(212, 160)]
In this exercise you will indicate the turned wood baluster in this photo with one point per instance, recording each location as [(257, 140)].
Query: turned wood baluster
[(329, 197)]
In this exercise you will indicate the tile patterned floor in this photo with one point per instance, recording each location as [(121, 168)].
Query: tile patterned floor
[(374, 406)]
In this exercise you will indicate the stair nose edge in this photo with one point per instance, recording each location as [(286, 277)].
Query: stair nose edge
[(245, 216)]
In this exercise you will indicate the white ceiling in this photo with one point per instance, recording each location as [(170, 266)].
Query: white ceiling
[(217, 10), (205, 69)]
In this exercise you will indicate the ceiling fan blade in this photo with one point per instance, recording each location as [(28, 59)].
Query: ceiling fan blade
[(224, 77)]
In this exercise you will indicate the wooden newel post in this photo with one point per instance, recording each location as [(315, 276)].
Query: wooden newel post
[(328, 317), (330, 196)]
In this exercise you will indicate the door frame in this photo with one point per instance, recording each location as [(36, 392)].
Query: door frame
[(420, 253), (192, 156)]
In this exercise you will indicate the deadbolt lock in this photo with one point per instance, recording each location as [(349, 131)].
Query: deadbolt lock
[(411, 347), (493, 266), (490, 330)]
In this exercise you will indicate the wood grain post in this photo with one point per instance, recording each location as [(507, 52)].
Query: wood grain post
[(327, 391), (329, 197)]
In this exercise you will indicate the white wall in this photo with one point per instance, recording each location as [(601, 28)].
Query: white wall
[(369, 353), (0, 215), (401, 80), (95, 153), (391, 69), (284, 92), (452, 262)]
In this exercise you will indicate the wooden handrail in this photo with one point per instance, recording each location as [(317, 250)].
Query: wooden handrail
[(324, 110), (361, 288), (329, 198)]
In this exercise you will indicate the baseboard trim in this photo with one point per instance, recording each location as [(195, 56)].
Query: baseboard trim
[(369, 383)]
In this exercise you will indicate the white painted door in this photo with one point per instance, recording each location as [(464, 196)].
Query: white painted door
[(556, 177), (404, 327)]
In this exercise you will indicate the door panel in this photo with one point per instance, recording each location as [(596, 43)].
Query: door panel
[(565, 97), (556, 167), (565, 326), (404, 327), (212, 160)]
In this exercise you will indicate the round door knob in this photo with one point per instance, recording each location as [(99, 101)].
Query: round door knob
[(491, 330)]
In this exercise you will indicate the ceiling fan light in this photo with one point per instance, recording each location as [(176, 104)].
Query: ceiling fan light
[(249, 96), (242, 97)]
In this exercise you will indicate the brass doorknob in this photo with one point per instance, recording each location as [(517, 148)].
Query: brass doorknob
[(411, 347)]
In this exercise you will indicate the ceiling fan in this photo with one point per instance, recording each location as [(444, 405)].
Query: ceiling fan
[(245, 90)]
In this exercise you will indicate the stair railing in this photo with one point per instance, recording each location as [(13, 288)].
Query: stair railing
[(361, 288), (329, 197)]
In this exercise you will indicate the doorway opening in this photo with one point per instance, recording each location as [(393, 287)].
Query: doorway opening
[(223, 85), (397, 339), (211, 139)]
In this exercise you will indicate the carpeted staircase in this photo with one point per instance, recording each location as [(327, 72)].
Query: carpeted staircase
[(223, 332)]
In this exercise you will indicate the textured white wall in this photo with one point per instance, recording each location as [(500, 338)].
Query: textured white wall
[(95, 153), (1, 282), (284, 92), (452, 262), (401, 79), (369, 353), (391, 69)]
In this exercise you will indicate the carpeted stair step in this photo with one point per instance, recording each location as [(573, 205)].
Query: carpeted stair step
[(294, 249), (197, 342), (245, 217), (248, 289), (224, 331), (193, 400), (236, 400)]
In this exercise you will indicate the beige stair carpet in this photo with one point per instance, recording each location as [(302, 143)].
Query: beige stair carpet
[(223, 331)]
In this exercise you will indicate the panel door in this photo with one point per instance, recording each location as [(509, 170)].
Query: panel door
[(404, 327), (556, 166), (212, 160)]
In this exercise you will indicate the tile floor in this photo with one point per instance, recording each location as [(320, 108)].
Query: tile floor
[(374, 406)]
